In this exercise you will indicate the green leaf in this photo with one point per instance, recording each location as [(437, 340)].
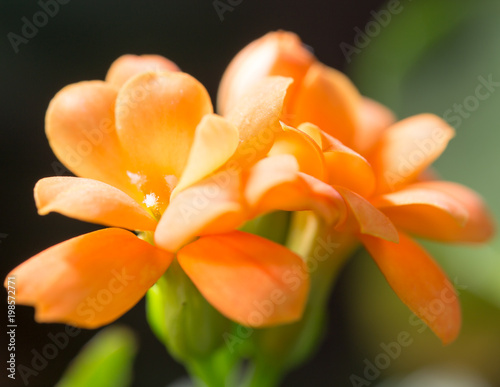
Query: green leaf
[(105, 361)]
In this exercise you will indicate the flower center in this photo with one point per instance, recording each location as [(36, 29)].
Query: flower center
[(156, 190)]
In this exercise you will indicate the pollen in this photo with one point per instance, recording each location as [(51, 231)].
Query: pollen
[(151, 200)]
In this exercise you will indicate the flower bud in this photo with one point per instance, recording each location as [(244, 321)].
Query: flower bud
[(182, 319)]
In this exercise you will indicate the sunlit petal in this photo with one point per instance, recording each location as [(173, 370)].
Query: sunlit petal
[(215, 141), (328, 99), (370, 221), (374, 118), (249, 279), (407, 148), (91, 201), (256, 115), (425, 212), (156, 117), (275, 183), (305, 150), (80, 126), (211, 206), (312, 131), (276, 53), (477, 226), (126, 66), (347, 168), (90, 280), (419, 283)]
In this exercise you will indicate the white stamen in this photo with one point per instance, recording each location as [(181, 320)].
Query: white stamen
[(151, 200)]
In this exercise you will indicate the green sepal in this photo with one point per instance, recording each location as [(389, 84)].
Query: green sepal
[(181, 317), (325, 251), (272, 226)]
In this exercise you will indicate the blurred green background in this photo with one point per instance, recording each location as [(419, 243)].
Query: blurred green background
[(431, 58), (427, 57)]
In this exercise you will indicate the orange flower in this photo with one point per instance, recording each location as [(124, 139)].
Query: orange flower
[(438, 210), (154, 158), (385, 184), (320, 95)]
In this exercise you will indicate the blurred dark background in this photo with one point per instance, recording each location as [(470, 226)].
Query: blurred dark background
[(79, 43)]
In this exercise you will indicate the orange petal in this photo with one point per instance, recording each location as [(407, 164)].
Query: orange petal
[(80, 126), (256, 115), (328, 99), (249, 279), (370, 221), (127, 66), (419, 283), (90, 280), (156, 117), (429, 174), (215, 141), (275, 183), (91, 201), (407, 148), (305, 150), (276, 53), (477, 226), (424, 211), (312, 131), (211, 206), (374, 118), (347, 168)]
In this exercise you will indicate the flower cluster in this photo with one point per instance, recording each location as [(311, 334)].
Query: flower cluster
[(174, 181)]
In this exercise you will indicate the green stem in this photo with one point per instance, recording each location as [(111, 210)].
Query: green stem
[(203, 376), (263, 374), (325, 252), (272, 226), (219, 369), (190, 328)]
